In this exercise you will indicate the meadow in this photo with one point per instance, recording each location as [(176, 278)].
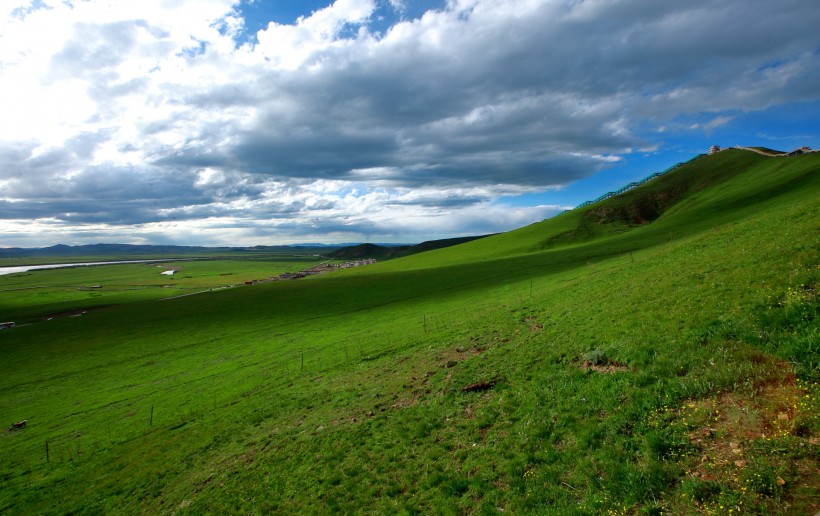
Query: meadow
[(653, 353), (43, 293)]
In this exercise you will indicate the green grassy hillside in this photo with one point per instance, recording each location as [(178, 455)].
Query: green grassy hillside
[(700, 194), (655, 352)]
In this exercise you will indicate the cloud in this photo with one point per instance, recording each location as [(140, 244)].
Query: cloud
[(398, 5), (133, 114)]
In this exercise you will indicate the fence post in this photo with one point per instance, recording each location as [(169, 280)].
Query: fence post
[(47, 458), (151, 419)]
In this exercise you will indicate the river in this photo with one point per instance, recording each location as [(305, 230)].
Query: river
[(26, 268)]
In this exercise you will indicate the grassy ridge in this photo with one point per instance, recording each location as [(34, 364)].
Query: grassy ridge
[(701, 194), (352, 390)]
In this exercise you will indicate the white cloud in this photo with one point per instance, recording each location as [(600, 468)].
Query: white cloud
[(290, 46), (398, 5)]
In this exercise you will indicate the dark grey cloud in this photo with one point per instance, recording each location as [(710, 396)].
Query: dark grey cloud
[(525, 100), (95, 49), (440, 202)]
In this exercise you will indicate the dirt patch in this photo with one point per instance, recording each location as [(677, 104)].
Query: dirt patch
[(404, 403), (612, 367), (533, 323), (479, 386), (72, 313), (757, 451), (451, 358), (603, 365)]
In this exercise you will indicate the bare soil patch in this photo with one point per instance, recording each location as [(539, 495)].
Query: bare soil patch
[(760, 448)]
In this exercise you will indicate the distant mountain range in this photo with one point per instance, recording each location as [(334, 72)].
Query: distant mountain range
[(340, 251), (138, 250)]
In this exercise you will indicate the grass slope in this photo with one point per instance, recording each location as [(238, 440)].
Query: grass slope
[(653, 352), (701, 194)]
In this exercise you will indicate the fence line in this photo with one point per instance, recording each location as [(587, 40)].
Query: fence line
[(127, 419), (795, 152), (635, 184), (632, 185)]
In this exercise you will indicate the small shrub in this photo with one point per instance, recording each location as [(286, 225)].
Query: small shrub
[(597, 357)]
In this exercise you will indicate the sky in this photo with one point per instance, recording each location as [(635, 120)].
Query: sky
[(265, 122)]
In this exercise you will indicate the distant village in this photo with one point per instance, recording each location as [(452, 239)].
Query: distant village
[(317, 269), (312, 271)]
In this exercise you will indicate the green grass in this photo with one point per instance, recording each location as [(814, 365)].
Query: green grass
[(351, 392)]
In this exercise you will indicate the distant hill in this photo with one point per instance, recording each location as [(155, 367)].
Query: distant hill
[(105, 249), (386, 252), (431, 245), (108, 250), (360, 251), (347, 251)]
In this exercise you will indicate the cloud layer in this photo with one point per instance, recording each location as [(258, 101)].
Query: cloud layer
[(151, 121)]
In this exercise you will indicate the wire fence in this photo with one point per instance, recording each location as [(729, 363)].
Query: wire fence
[(632, 185), (287, 358)]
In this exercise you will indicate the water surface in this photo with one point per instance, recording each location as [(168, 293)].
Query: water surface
[(26, 268)]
